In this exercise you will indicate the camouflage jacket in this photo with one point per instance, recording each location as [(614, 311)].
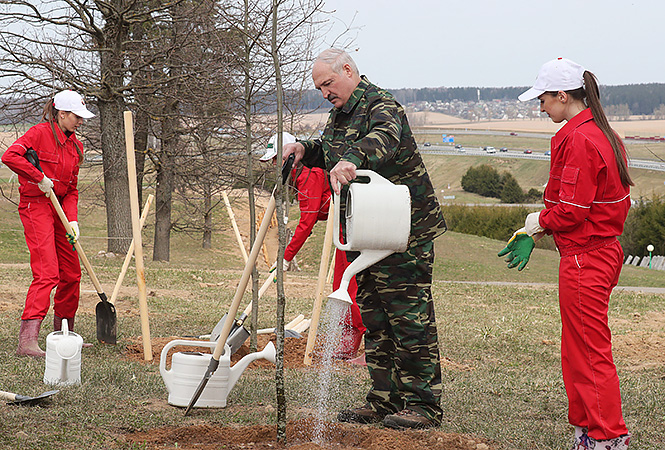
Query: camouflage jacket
[(371, 131)]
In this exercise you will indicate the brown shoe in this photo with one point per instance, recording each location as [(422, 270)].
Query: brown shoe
[(408, 419), (364, 414)]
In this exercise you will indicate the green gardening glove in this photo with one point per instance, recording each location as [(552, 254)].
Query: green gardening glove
[(72, 240), (519, 249)]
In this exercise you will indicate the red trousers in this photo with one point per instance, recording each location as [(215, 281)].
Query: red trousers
[(53, 262), (589, 374), (353, 323)]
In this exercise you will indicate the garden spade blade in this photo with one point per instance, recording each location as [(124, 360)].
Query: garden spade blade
[(106, 321), (16, 399)]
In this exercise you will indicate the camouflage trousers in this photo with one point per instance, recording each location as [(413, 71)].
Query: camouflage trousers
[(401, 343)]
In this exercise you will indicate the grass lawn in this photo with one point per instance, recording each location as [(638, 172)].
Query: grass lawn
[(498, 330)]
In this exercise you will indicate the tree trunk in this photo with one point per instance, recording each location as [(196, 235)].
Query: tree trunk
[(116, 183), (111, 106), (163, 201), (279, 193), (207, 216)]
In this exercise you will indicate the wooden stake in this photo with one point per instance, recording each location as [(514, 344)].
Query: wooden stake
[(136, 229), (130, 252), (316, 312), (235, 225)]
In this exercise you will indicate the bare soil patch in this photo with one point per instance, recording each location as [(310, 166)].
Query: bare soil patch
[(302, 435)]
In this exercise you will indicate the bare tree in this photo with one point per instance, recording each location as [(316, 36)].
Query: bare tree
[(84, 45)]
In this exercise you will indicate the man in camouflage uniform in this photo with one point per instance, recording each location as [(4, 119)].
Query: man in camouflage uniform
[(368, 129)]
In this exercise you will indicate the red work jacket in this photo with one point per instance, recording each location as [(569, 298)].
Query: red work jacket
[(584, 199), (314, 200), (59, 162)]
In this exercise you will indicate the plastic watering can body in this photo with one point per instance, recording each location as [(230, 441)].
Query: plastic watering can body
[(188, 368), (63, 357), (378, 224)]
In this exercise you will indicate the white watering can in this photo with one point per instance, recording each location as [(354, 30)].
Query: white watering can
[(378, 224), (63, 357), (188, 368)]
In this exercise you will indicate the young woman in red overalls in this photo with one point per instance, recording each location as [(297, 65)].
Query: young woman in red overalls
[(586, 203), (53, 261)]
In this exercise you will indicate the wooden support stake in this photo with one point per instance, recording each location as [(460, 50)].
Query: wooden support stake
[(136, 229), (235, 225), (318, 300), (130, 252)]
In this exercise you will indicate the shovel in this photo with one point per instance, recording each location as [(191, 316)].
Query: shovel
[(15, 399), (105, 311), (240, 290)]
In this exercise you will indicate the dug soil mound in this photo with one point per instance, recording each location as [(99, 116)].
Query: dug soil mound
[(306, 434), (303, 434)]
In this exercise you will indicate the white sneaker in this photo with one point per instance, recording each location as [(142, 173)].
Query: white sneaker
[(584, 442), (581, 441), (618, 443)]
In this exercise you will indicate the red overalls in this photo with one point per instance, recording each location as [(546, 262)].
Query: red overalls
[(586, 207), (53, 261), (314, 199)]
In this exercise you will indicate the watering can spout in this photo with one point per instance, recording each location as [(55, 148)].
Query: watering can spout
[(268, 353), (362, 262)]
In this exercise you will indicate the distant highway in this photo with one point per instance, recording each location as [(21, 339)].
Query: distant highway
[(477, 151)]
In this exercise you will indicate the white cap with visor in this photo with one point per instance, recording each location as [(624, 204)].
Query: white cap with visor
[(72, 102), (271, 149), (560, 74)]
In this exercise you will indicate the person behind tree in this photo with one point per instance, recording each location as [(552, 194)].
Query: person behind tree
[(313, 191)]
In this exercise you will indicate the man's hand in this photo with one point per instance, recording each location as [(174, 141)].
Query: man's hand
[(342, 173), (297, 149), (519, 249), (45, 185)]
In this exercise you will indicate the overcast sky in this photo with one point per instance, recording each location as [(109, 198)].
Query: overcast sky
[(431, 43)]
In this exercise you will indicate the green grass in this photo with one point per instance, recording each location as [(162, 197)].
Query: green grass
[(498, 331)]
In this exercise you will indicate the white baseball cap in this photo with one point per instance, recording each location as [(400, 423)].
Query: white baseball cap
[(71, 101), (271, 149), (560, 74)]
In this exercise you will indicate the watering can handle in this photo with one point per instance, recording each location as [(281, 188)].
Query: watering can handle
[(373, 178), (170, 345)]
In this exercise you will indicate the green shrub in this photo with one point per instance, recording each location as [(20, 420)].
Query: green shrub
[(645, 225), (511, 192), (495, 222), (482, 180)]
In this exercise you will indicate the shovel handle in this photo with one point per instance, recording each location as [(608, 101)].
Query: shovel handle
[(31, 156), (8, 396)]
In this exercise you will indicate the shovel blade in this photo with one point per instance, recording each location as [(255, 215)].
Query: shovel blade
[(217, 330), (107, 328), (29, 401), (238, 338)]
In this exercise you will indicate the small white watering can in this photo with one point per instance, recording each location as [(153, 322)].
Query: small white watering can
[(63, 357), (188, 368), (378, 224)]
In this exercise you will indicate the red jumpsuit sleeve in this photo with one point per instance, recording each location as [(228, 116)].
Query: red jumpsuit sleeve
[(579, 176), (14, 156), (310, 187)]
